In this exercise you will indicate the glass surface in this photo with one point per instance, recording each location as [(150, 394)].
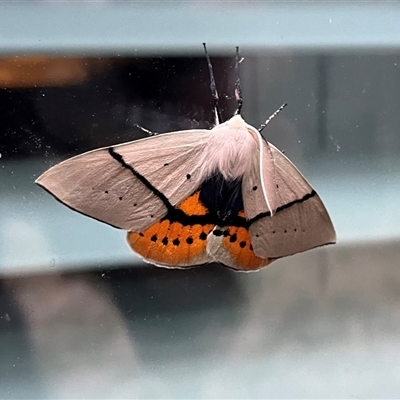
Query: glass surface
[(82, 317)]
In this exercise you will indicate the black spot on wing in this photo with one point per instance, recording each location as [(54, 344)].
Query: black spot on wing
[(203, 236)]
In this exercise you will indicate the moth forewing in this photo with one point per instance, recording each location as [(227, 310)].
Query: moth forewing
[(96, 185), (131, 185), (260, 192), (301, 221)]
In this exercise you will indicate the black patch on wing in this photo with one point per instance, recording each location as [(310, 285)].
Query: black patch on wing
[(223, 198)]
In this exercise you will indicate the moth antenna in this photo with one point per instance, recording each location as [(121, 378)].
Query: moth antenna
[(150, 133), (269, 119), (213, 87), (238, 89)]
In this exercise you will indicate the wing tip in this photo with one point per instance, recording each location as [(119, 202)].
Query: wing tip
[(72, 208), (38, 181)]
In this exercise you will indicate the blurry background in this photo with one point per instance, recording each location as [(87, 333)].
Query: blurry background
[(81, 316)]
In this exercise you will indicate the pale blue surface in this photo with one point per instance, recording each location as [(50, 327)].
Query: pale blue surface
[(323, 324), (148, 28)]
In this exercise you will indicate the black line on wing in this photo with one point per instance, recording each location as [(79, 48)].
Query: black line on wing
[(281, 208), (118, 157)]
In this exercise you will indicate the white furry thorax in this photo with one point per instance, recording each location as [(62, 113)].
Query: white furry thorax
[(231, 149)]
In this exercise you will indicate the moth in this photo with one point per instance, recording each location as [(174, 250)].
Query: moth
[(192, 197)]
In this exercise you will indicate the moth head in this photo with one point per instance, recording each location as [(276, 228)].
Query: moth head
[(236, 122)]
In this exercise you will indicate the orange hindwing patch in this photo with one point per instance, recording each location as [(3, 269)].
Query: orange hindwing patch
[(231, 245), (170, 242), (237, 243)]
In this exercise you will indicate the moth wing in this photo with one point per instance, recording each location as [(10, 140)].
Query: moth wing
[(130, 186), (170, 162), (174, 244), (259, 183), (301, 221), (232, 247)]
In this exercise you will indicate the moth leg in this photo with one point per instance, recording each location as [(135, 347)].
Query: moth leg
[(150, 133), (271, 117)]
